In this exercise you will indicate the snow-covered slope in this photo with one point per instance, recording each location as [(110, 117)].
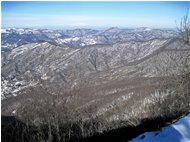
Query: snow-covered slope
[(177, 132)]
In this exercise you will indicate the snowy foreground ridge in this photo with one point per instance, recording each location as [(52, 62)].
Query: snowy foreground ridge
[(177, 132)]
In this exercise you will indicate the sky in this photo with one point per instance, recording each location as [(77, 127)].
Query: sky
[(86, 14)]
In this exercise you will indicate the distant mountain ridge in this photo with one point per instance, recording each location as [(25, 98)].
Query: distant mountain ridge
[(77, 38)]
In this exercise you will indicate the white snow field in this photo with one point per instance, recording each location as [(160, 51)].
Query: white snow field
[(177, 132)]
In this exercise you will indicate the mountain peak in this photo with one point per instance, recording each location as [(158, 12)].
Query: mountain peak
[(145, 29), (113, 29)]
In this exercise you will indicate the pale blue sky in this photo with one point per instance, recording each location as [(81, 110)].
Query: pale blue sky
[(92, 14)]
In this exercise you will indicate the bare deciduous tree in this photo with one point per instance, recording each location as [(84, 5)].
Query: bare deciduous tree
[(184, 28), (177, 70)]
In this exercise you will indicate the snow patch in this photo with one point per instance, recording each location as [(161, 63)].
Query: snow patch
[(177, 132), (14, 111), (20, 50)]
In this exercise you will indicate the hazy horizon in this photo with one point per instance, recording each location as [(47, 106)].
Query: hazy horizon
[(74, 28), (97, 15)]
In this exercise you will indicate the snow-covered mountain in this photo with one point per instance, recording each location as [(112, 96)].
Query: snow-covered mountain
[(113, 74), (77, 38), (121, 67), (46, 60)]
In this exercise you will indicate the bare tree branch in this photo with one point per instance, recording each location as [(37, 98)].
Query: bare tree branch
[(184, 28)]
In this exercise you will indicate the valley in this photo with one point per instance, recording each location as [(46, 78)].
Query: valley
[(116, 76)]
